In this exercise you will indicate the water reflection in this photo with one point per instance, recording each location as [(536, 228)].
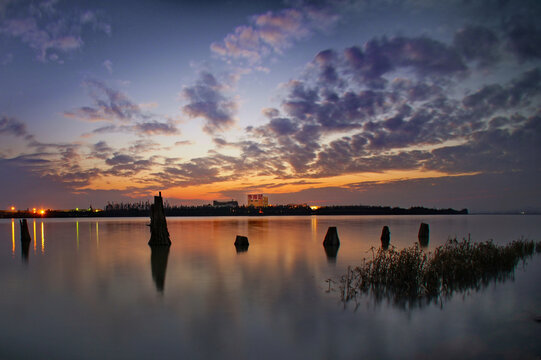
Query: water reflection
[(42, 238), (332, 253), (77, 233), (13, 236), (25, 247), (272, 300), (158, 265), (34, 227), (241, 248)]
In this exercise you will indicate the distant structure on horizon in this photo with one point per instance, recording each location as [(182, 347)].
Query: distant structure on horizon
[(258, 200), (231, 204)]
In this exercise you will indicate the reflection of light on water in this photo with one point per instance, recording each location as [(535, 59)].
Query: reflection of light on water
[(97, 236), (13, 236), (42, 238), (314, 228), (77, 231), (34, 224)]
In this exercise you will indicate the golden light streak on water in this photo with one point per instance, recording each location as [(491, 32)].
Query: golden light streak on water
[(314, 228), (13, 236), (34, 224), (97, 236), (42, 239), (77, 231)]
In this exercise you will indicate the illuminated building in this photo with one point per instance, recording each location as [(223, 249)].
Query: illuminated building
[(258, 200)]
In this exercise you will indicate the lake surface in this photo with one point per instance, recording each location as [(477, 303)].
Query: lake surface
[(93, 289)]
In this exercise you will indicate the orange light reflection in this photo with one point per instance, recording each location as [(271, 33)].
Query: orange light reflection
[(34, 224), (42, 239), (13, 236)]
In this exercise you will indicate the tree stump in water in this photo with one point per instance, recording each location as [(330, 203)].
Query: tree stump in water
[(159, 235), (385, 237), (331, 238), (424, 235), (25, 234), (25, 239), (241, 243)]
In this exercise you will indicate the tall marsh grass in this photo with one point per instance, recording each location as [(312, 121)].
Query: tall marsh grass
[(411, 277)]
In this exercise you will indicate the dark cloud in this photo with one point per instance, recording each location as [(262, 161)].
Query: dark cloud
[(493, 97), (12, 126), (423, 55), (101, 150), (477, 43), (524, 37), (156, 128), (493, 150), (109, 105), (119, 159), (206, 100), (282, 126)]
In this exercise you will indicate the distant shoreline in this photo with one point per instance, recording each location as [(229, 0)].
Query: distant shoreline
[(210, 211)]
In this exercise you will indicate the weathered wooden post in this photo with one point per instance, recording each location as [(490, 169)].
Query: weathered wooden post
[(25, 239), (424, 235), (331, 238), (385, 237), (241, 244), (159, 235), (331, 243), (25, 234)]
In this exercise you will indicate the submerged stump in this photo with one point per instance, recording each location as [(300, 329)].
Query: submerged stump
[(385, 237), (241, 244), (424, 235), (331, 238), (159, 235), (25, 234)]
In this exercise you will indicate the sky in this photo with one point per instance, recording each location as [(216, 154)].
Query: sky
[(393, 102)]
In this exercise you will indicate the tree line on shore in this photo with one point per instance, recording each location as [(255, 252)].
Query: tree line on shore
[(127, 210)]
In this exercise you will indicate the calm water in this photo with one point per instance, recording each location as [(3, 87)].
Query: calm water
[(91, 289)]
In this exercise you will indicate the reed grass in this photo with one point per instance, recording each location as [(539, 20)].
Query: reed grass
[(411, 277)]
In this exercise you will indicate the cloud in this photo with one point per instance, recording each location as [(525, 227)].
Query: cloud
[(108, 105), (272, 32), (477, 43), (206, 100), (108, 64), (48, 30), (156, 128), (149, 128), (523, 37), (12, 126), (114, 106)]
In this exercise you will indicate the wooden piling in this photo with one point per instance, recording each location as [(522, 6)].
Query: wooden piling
[(159, 235), (331, 238), (424, 234), (241, 244), (385, 237), (25, 234)]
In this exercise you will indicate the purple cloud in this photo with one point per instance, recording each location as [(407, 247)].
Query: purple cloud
[(272, 33), (109, 105), (206, 100), (12, 126), (48, 30)]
